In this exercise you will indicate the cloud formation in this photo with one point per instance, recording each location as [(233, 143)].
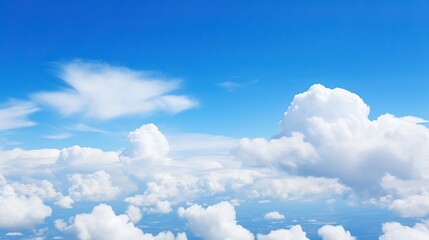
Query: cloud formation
[(15, 115), (101, 91), (214, 222), (274, 216), (103, 223), (329, 232)]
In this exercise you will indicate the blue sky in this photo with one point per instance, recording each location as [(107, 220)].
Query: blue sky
[(275, 88)]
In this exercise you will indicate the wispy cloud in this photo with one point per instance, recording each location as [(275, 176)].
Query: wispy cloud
[(81, 127), (232, 86), (102, 91), (15, 114), (58, 136)]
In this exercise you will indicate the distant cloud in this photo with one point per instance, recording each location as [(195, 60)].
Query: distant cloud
[(274, 216), (58, 136), (15, 115), (232, 86), (397, 231), (85, 128), (329, 232), (102, 91)]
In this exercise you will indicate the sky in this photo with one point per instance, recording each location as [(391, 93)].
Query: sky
[(214, 120)]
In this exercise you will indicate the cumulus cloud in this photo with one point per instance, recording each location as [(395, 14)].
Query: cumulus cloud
[(15, 115), (334, 123), (20, 211), (27, 162), (329, 232), (294, 233), (163, 192), (397, 231), (103, 223), (217, 181), (284, 152), (214, 222), (274, 216), (134, 213), (86, 157), (102, 91), (92, 187), (146, 145)]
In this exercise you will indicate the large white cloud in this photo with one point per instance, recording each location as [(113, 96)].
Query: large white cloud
[(102, 91), (15, 115), (329, 232), (294, 233), (20, 211), (335, 124), (103, 223), (214, 222), (396, 231)]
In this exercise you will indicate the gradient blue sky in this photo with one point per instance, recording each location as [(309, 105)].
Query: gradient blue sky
[(240, 65), (377, 49)]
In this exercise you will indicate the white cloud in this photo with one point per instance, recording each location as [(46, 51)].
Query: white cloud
[(147, 145), (134, 213), (13, 234), (19, 211), (215, 222), (15, 115), (396, 231), (92, 187), (163, 192), (88, 158), (282, 152), (27, 162), (329, 232), (102, 91), (58, 136), (274, 215), (217, 181), (298, 188), (103, 223), (294, 233), (408, 198), (335, 124)]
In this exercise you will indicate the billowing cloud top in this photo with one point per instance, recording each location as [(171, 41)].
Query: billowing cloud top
[(102, 91)]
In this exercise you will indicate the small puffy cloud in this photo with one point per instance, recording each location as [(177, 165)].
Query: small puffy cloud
[(15, 115), (214, 222), (102, 91), (147, 145), (294, 233), (274, 216), (329, 232), (396, 231), (19, 211), (134, 213), (92, 187), (103, 223)]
